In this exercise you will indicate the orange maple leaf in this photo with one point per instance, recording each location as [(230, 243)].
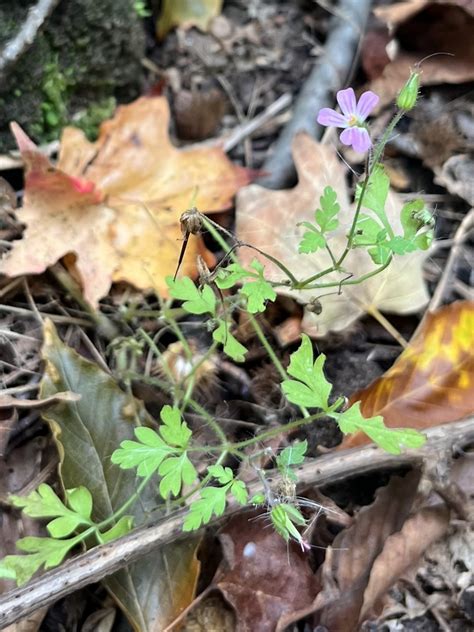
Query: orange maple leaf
[(432, 382), (115, 204)]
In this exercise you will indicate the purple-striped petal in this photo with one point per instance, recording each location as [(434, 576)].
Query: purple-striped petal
[(331, 118), (358, 137), (366, 104), (347, 101)]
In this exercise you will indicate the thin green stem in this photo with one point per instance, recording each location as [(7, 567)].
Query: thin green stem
[(210, 421), (371, 167), (211, 227), (121, 510), (256, 326), (289, 427), (331, 254), (303, 284), (153, 346), (356, 281)]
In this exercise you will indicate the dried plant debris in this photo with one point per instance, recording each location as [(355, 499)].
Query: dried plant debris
[(261, 577), (421, 28)]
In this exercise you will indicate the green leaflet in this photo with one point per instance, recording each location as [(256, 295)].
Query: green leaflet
[(212, 500), (325, 217), (390, 439), (310, 388), (163, 452)]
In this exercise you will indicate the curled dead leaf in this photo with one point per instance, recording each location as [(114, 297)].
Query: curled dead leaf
[(8, 401), (432, 381), (346, 571), (261, 576), (402, 551)]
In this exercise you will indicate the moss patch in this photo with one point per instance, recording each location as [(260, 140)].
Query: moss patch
[(87, 58)]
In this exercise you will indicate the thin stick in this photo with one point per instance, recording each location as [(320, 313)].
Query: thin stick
[(329, 74), (387, 325), (25, 37), (106, 559), (464, 227), (247, 129)]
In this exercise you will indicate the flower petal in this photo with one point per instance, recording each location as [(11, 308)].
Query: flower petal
[(358, 137), (366, 104), (347, 101), (331, 118)]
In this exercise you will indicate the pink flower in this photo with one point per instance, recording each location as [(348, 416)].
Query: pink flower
[(352, 119)]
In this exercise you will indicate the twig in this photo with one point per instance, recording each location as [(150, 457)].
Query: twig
[(13, 159), (108, 558), (247, 129), (105, 326), (329, 75), (25, 37), (466, 224)]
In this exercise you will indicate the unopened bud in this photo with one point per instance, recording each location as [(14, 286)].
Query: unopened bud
[(406, 100)]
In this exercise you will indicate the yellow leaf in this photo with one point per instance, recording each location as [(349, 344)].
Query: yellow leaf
[(432, 382), (187, 13)]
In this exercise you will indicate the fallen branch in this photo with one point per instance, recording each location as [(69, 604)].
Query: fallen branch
[(247, 129), (25, 37), (329, 75), (109, 558)]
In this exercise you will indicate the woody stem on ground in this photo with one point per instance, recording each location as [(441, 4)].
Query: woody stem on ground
[(108, 558)]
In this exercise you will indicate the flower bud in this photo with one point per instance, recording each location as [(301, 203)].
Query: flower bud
[(406, 100)]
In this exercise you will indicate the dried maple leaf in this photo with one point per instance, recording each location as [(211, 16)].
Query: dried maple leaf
[(432, 381), (268, 220), (115, 204)]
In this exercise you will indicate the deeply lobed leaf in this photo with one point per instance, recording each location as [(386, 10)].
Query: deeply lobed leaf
[(312, 389), (392, 440)]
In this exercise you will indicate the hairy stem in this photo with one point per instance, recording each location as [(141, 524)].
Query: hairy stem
[(256, 326)]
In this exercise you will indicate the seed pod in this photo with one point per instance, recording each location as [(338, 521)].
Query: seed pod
[(406, 100), (191, 222)]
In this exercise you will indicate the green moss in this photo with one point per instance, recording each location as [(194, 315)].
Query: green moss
[(58, 87), (89, 120), (54, 111), (87, 56)]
